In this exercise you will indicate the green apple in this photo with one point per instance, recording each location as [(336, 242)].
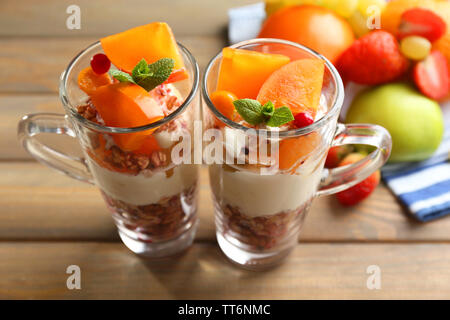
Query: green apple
[(414, 121)]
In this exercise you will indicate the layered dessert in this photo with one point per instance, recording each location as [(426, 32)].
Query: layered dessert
[(140, 80), (260, 205)]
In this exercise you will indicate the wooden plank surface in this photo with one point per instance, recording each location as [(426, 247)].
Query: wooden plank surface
[(313, 271), (33, 65), (40, 204), (102, 17)]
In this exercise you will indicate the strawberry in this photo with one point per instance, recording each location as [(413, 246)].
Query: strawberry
[(432, 76), (373, 59), (421, 22), (362, 190), (336, 154)]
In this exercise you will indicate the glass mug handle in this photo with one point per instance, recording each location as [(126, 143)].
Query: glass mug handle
[(32, 125), (341, 178)]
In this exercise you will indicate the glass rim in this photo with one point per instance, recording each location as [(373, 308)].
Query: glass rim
[(338, 98), (107, 129)]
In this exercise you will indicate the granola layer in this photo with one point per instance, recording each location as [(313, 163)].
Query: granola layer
[(263, 232), (159, 221)]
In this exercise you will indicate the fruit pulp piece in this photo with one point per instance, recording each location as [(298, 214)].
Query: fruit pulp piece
[(223, 101), (243, 71), (297, 85), (151, 42), (415, 47), (127, 105), (421, 22), (89, 81), (432, 76), (292, 150)]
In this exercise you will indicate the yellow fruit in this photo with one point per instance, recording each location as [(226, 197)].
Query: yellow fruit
[(346, 8), (358, 23), (415, 47), (364, 6)]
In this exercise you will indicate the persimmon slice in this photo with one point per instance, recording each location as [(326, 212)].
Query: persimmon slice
[(243, 71), (127, 105), (151, 42), (293, 150), (89, 81), (297, 85)]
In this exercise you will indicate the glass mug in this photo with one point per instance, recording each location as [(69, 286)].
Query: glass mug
[(152, 200), (258, 215)]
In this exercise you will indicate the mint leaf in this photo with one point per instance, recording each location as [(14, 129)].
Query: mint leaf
[(280, 116), (155, 73), (121, 76), (268, 109), (250, 110), (140, 69)]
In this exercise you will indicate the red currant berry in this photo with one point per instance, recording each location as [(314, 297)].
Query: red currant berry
[(100, 63), (303, 119)]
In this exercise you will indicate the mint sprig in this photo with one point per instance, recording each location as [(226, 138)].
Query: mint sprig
[(280, 116), (148, 76), (254, 113)]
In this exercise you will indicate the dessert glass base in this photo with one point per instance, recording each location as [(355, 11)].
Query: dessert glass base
[(160, 229), (252, 260), (160, 249), (258, 243)]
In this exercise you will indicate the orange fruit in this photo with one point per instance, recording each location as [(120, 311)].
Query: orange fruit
[(315, 27), (223, 101), (291, 151), (151, 42), (297, 85), (89, 81), (243, 71), (127, 105)]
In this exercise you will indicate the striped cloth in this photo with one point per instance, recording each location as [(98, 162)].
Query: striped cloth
[(424, 187)]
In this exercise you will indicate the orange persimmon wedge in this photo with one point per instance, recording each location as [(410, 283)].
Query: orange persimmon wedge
[(151, 42), (293, 150), (223, 101), (297, 85), (149, 145), (89, 81), (127, 105), (243, 71)]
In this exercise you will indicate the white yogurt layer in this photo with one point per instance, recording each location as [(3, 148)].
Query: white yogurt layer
[(143, 189), (262, 195)]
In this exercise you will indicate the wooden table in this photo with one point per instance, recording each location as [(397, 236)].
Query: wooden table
[(49, 221)]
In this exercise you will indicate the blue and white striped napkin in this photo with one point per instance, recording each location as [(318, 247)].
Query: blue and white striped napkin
[(424, 187)]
